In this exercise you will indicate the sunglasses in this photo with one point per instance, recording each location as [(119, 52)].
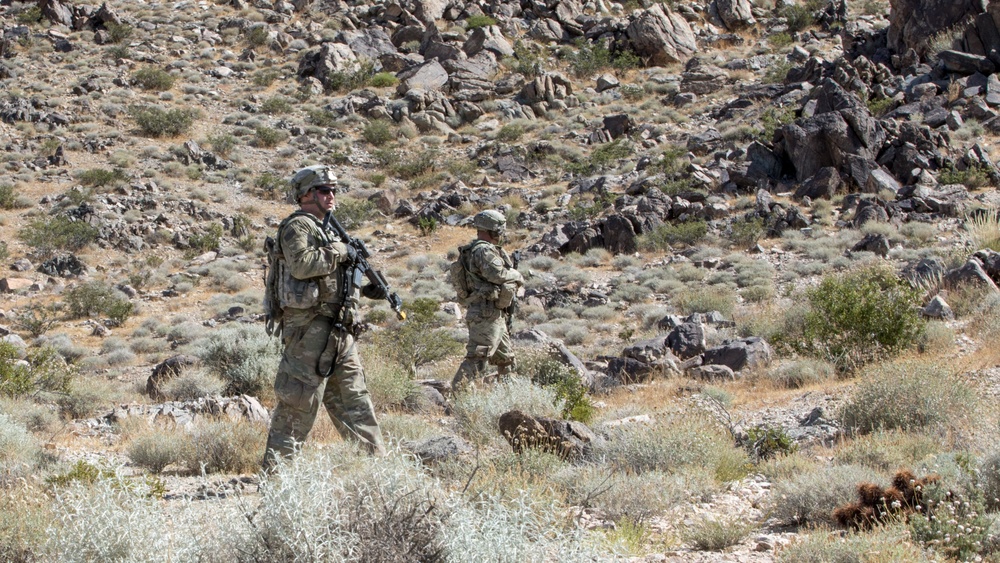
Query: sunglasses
[(327, 191)]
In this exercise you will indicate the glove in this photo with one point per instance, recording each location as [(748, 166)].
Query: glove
[(344, 252), (372, 291)]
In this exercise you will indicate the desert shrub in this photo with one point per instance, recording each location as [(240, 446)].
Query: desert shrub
[(383, 80), (746, 231), (907, 396), (225, 446), (269, 137), (223, 144), (52, 234), (811, 497), (98, 298), (800, 373), (206, 240), (797, 17), (100, 177), (703, 299), (955, 524), (36, 319), (710, 534), (157, 448), (8, 196), (972, 177), (155, 79), (510, 133), (24, 514), (29, 15), (243, 356), (472, 22), (767, 442), (621, 496), (271, 186), (378, 133), (353, 213), (193, 384), (859, 317), (603, 157), (570, 392), (20, 452), (389, 383), (879, 106), (119, 32), (275, 105), (886, 451), (886, 544), (418, 341), (88, 396), (677, 441), (4, 253), (158, 122), (685, 233), (44, 372), (478, 412), (346, 81), (982, 229)]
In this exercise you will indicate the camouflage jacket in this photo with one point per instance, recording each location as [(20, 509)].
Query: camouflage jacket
[(308, 256), (489, 267)]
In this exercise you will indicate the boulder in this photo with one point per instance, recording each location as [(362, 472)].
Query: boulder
[(185, 413), (738, 354), (619, 235), (938, 308), (11, 285), (567, 439), (661, 36), (824, 184), (488, 38), (873, 242), (735, 14), (427, 76), (438, 448), (712, 372), (687, 340), (971, 273), (56, 12), (913, 23)]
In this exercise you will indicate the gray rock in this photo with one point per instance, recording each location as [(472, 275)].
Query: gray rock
[(661, 36), (438, 448), (873, 242), (938, 308), (972, 273), (428, 76), (824, 184), (568, 439), (712, 372), (738, 354), (879, 180), (606, 82), (687, 340), (966, 63), (912, 23), (488, 38), (735, 14)]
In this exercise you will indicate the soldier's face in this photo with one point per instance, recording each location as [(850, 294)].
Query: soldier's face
[(325, 198)]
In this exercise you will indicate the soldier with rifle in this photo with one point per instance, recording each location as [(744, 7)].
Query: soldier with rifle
[(312, 296), (487, 284)]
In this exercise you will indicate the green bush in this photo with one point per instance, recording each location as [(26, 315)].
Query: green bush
[(353, 213), (98, 298), (271, 186), (859, 317), (472, 22), (767, 442), (4, 253), (418, 341), (383, 80), (667, 234), (223, 144), (209, 239), (427, 225), (158, 122), (36, 319), (973, 177), (525, 61), (275, 105), (887, 451), (478, 412), (269, 137), (746, 231), (243, 356), (266, 77), (155, 79), (119, 32), (378, 133), (157, 448), (797, 17), (603, 157), (257, 36), (100, 177), (510, 133), (46, 236), (800, 373), (910, 396), (709, 534), (885, 544), (8, 196), (570, 392)]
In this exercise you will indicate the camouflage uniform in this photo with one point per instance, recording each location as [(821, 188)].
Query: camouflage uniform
[(490, 272), (320, 362)]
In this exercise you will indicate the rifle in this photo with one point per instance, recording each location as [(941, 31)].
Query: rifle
[(511, 309), (361, 267)]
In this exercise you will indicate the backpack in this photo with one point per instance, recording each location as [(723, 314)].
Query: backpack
[(458, 272)]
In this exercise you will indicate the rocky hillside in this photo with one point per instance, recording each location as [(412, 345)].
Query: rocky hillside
[(760, 233)]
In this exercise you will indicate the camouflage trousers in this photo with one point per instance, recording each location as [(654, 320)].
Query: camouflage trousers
[(489, 343), (311, 352)]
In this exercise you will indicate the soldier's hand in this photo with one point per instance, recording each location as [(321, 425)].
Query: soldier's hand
[(372, 291), (344, 252)]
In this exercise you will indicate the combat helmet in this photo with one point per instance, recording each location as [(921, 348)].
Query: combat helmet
[(310, 177), (490, 220)]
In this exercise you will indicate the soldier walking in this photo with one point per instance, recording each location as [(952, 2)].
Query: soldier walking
[(492, 283), (320, 361)]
